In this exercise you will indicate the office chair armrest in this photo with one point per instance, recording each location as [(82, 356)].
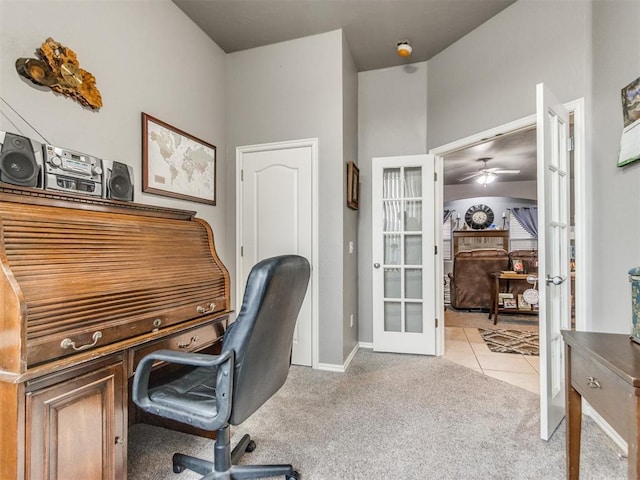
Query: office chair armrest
[(224, 384)]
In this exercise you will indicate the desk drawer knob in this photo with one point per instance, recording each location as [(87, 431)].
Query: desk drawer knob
[(193, 341), (211, 308), (593, 383)]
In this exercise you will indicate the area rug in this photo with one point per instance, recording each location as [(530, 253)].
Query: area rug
[(511, 341)]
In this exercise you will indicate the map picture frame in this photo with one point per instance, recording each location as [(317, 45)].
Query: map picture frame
[(176, 164)]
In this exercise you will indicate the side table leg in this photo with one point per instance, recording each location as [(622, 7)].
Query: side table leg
[(574, 422)]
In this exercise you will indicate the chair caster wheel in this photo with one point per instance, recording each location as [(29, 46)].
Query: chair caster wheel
[(251, 446), (294, 476)]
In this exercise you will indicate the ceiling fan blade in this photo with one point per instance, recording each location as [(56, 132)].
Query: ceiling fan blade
[(475, 174), (506, 171)]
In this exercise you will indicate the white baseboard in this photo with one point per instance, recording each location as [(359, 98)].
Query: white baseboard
[(368, 345), (331, 367), (602, 423)]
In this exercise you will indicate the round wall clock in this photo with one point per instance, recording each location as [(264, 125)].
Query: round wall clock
[(479, 217)]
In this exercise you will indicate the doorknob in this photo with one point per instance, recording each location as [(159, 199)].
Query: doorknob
[(556, 280), (376, 265)]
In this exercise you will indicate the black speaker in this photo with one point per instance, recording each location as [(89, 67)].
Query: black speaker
[(20, 160), (119, 181)]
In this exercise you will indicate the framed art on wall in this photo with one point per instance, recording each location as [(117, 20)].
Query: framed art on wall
[(177, 164), (353, 186)]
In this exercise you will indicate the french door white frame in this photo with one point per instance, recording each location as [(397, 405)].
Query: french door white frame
[(312, 143), (581, 201)]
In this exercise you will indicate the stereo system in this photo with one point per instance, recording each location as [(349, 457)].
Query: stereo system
[(28, 163)]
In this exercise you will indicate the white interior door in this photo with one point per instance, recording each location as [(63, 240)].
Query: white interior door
[(404, 291), (553, 269), (275, 217)]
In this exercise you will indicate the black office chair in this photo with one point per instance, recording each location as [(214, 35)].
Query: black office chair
[(225, 389)]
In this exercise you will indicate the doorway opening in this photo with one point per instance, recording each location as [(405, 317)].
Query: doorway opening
[(479, 147)]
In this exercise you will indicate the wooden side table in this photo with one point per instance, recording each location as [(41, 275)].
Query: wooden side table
[(494, 308), (604, 369)]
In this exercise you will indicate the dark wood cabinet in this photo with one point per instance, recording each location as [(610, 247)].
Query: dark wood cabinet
[(75, 427), (604, 369), (87, 287)]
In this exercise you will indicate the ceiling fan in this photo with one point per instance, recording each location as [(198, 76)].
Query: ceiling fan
[(487, 175)]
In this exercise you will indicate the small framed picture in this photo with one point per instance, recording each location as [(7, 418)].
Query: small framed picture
[(522, 303), (518, 266), (510, 303), (502, 296), (353, 186)]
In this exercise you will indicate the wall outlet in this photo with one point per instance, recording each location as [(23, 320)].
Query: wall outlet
[(351, 320)]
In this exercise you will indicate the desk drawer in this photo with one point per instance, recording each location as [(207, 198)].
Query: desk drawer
[(190, 340), (610, 395)]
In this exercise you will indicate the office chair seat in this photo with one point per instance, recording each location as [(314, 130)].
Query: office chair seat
[(216, 391)]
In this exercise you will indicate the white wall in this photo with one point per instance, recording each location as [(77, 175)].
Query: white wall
[(288, 91), (147, 56), (488, 78), (350, 224), (392, 120), (616, 201), (526, 189)]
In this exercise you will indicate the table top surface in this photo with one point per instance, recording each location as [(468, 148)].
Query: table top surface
[(614, 350), (513, 275)]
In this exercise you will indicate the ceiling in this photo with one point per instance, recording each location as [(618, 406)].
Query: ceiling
[(372, 28), (515, 151)]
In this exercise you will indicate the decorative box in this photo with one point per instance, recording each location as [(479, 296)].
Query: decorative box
[(634, 278)]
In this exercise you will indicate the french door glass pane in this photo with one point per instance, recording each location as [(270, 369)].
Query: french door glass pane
[(413, 182), (392, 212), (413, 215), (413, 317), (392, 317), (413, 283), (413, 249), (391, 183), (392, 249), (392, 287)]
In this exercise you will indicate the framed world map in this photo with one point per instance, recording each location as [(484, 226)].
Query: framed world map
[(177, 164)]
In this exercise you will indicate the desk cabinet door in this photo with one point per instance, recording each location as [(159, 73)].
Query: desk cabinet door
[(75, 428)]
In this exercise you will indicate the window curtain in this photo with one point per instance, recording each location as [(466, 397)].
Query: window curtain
[(528, 218)]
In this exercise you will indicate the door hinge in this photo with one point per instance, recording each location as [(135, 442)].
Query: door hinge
[(436, 323), (436, 249), (435, 176), (241, 251), (572, 144), (242, 175)]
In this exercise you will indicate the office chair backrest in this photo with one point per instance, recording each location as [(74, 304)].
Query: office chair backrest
[(262, 335)]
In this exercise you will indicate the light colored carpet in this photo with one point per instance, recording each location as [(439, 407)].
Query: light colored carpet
[(392, 416), (464, 319), (511, 341)]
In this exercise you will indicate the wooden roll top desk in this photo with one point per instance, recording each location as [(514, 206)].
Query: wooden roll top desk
[(87, 287)]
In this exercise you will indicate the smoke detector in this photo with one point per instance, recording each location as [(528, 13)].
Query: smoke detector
[(404, 49)]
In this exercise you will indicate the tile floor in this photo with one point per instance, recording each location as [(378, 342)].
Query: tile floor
[(465, 347)]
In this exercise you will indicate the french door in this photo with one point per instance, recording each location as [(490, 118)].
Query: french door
[(404, 254), (553, 238)]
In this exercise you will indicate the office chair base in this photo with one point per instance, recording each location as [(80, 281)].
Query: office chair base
[(225, 465)]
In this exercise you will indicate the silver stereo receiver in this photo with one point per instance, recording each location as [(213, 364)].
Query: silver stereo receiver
[(72, 172)]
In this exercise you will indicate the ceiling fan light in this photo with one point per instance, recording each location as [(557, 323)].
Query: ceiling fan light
[(486, 178)]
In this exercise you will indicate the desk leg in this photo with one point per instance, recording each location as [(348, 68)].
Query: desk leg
[(574, 422), (634, 464), (496, 298)]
